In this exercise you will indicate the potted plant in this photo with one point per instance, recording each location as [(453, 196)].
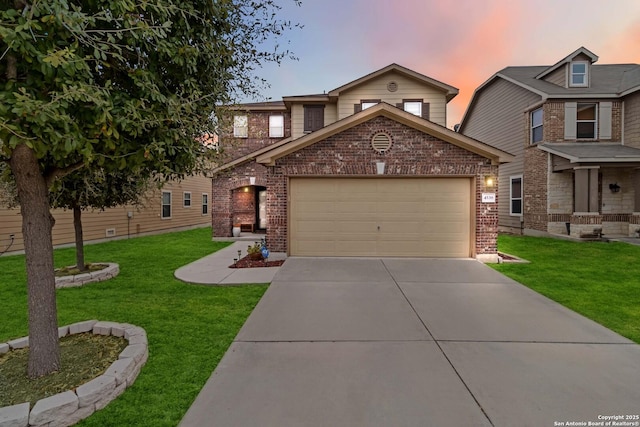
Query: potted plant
[(255, 252)]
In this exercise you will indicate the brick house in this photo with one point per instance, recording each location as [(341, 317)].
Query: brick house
[(368, 169), (574, 128)]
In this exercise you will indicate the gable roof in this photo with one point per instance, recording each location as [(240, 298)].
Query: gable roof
[(581, 51), (386, 110), (582, 152), (450, 91)]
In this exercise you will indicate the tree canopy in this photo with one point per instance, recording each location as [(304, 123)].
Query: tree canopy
[(121, 82)]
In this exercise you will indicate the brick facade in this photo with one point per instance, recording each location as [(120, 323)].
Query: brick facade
[(535, 189), (413, 153), (257, 136)]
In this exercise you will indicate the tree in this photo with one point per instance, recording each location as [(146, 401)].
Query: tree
[(95, 188), (99, 82)]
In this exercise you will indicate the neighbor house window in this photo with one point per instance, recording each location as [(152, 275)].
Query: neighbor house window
[(205, 203), (536, 126), (515, 195), (276, 126), (166, 204), (186, 199), (240, 126), (579, 77), (413, 107), (586, 121), (313, 118)]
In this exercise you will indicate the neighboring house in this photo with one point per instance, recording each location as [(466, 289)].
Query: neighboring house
[(368, 169), (178, 205), (574, 128)]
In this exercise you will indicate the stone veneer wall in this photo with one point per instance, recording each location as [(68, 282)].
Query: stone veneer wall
[(68, 408), (413, 153)]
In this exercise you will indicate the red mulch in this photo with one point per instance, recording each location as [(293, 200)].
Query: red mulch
[(246, 262)]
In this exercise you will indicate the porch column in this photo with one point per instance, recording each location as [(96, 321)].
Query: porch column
[(586, 190)]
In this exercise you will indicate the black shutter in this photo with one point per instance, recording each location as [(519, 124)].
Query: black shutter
[(400, 105), (425, 110), (357, 108)]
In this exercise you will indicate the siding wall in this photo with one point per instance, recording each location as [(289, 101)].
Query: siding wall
[(632, 120), (407, 89), (558, 77), (146, 219), (504, 103)]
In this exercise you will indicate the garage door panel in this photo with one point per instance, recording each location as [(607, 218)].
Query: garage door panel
[(380, 217)]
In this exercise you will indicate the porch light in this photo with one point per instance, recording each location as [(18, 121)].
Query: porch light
[(246, 189), (489, 181), (614, 187)]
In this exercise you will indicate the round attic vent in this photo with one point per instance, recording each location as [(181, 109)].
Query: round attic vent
[(381, 142), (392, 86)]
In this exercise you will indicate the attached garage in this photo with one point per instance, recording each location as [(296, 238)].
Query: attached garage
[(391, 217)]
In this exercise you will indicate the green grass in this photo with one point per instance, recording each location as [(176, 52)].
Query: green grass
[(189, 327), (596, 279)]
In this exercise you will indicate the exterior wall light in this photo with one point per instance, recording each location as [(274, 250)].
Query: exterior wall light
[(489, 181), (246, 189), (614, 187)]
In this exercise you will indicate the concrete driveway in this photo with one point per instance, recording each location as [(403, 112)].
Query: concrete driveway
[(415, 342)]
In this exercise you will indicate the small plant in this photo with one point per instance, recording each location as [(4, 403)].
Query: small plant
[(255, 251)]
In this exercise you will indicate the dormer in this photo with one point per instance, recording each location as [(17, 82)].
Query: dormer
[(573, 71)]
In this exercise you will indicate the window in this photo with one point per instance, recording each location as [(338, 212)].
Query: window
[(413, 107), (276, 126), (536, 126), (166, 204), (368, 104), (515, 195), (240, 126), (205, 203), (586, 121), (364, 104), (313, 118), (186, 199), (579, 77)]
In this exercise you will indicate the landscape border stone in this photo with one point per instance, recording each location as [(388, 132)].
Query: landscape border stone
[(68, 408), (112, 270)]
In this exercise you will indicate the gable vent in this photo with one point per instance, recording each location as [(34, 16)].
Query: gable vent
[(392, 86), (381, 142)]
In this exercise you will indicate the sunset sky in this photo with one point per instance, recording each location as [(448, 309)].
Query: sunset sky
[(461, 43)]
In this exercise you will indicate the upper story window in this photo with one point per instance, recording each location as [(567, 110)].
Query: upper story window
[(240, 126), (368, 104), (579, 74), (586, 122), (313, 118), (536, 126), (413, 107), (276, 126)]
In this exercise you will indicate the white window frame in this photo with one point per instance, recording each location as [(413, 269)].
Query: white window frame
[(594, 121), (573, 73), (276, 126), (367, 104), (163, 204), (410, 107), (240, 126), (534, 126), (205, 204), (511, 198), (186, 199)]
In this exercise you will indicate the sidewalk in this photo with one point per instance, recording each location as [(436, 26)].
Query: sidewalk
[(214, 269)]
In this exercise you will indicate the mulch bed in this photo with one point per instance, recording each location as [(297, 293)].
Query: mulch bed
[(246, 262)]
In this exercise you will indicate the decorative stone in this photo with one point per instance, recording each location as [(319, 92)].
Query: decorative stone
[(73, 418), (120, 370), (135, 351), (117, 330), (106, 273), (80, 327), (63, 331), (111, 396), (15, 416), (89, 393), (52, 408), (130, 332), (4, 348), (138, 339), (104, 328), (19, 343)]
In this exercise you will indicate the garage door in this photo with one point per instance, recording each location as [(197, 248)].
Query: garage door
[(395, 217)]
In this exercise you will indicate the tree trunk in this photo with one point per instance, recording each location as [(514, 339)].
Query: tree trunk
[(37, 223), (77, 225)]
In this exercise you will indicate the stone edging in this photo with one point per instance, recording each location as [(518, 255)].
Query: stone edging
[(68, 408), (107, 273)]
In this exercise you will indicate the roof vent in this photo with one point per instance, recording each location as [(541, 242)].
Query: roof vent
[(381, 142), (392, 86)]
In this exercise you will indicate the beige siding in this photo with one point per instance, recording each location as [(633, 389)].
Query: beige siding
[(297, 118), (407, 89), (632, 120), (502, 102), (146, 218), (558, 77)]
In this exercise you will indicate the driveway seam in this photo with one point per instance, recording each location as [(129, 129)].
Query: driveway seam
[(438, 345)]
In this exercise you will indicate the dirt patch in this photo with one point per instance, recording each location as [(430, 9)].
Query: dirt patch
[(247, 262)]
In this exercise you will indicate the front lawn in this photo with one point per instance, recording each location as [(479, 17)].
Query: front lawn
[(189, 327), (596, 279)]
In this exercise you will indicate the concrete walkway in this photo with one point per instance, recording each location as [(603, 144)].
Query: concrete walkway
[(399, 342)]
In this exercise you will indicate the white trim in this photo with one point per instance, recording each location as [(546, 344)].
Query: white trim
[(203, 204), (585, 74), (276, 130), (184, 199), (162, 205), (511, 198), (532, 127)]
